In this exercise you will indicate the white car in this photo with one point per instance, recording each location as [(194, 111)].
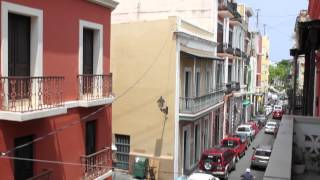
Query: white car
[(246, 129), (277, 108), (202, 176), (270, 127)]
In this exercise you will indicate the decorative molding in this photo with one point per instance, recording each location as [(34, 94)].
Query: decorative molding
[(106, 3)]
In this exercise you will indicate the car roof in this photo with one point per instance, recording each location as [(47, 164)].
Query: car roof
[(231, 138), (264, 148), (244, 125), (198, 176), (216, 150), (271, 122)]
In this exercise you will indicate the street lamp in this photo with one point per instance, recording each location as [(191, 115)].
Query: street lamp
[(161, 104)]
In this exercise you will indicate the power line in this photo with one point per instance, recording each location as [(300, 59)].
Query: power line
[(95, 112)]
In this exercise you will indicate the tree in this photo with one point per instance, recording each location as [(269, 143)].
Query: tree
[(280, 72)]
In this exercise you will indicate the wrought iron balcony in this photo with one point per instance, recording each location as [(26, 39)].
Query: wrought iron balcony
[(237, 52), (220, 48), (192, 105), (226, 5), (228, 88), (96, 164), (94, 87), (25, 94), (229, 49), (44, 175), (235, 85)]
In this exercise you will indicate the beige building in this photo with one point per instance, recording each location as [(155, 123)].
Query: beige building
[(173, 59), (265, 62)]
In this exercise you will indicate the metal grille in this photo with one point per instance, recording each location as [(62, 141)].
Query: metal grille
[(123, 150)]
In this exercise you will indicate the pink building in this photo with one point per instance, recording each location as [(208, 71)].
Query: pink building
[(55, 83)]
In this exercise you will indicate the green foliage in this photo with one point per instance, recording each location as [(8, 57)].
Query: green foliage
[(280, 71)]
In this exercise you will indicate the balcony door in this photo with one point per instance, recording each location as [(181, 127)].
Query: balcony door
[(90, 137), (88, 36), (18, 55), (23, 169), (187, 88)]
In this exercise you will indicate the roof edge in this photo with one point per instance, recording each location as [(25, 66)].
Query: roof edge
[(106, 3)]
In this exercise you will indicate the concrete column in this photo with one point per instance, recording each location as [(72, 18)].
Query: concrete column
[(214, 71)]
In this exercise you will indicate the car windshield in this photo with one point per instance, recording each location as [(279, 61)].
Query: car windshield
[(263, 153), (243, 129), (277, 108), (271, 124), (229, 143), (212, 158)]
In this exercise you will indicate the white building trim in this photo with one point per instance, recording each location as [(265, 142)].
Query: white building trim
[(36, 36), (97, 46), (106, 3)]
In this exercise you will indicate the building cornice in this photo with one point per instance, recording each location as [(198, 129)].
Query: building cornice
[(106, 3)]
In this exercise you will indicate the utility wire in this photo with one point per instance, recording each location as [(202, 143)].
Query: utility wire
[(95, 112)]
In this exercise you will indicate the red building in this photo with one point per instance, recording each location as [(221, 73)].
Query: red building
[(307, 31), (55, 89)]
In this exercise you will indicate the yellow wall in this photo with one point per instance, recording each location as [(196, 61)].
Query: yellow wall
[(144, 53), (265, 62)]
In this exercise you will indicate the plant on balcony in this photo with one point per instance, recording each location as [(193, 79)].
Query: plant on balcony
[(299, 163)]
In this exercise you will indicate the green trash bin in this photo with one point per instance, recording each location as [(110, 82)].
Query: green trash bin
[(140, 167)]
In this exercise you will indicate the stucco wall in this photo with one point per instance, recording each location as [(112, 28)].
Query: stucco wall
[(144, 66)]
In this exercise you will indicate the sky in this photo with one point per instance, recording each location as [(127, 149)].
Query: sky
[(279, 16)]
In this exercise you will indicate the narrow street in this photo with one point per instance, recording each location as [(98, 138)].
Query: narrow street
[(261, 139)]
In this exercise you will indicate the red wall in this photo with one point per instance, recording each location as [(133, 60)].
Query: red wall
[(60, 58), (61, 37), (314, 9)]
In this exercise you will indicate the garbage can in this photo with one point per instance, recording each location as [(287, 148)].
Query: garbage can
[(140, 167)]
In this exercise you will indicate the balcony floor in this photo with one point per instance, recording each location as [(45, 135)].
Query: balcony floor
[(306, 176)]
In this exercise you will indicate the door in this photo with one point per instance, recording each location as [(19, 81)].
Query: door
[(18, 54), (186, 150), (23, 169), (187, 89), (88, 35), (216, 129), (90, 137)]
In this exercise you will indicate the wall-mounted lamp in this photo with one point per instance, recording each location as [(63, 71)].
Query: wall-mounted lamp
[(161, 104)]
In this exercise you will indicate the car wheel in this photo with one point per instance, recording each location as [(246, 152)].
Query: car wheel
[(226, 175)]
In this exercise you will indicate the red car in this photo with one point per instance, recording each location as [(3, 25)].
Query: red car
[(218, 162), (255, 126), (236, 145), (277, 115)]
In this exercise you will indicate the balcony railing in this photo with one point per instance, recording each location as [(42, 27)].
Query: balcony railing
[(226, 5), (235, 86), (238, 52), (93, 87), (25, 94), (44, 175), (229, 49), (220, 48), (191, 105), (96, 164)]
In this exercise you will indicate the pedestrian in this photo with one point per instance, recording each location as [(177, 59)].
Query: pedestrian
[(247, 175)]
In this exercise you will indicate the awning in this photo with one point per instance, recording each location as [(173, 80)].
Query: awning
[(199, 53)]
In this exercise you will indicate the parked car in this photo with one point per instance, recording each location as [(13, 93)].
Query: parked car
[(271, 127), (218, 162), (201, 176), (262, 118), (268, 110), (261, 156), (244, 139), (236, 145), (247, 130), (255, 126)]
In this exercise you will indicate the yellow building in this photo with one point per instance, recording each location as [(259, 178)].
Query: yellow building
[(175, 60), (265, 62)]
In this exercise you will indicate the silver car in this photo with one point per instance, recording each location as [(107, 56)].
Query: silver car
[(261, 156)]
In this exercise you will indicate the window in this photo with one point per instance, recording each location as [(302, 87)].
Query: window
[(229, 73), (218, 76), (23, 169), (90, 48), (208, 81), (196, 143), (24, 55), (123, 150), (90, 137), (187, 83), (197, 83)]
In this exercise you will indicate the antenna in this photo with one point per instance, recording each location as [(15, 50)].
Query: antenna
[(258, 10), (264, 29)]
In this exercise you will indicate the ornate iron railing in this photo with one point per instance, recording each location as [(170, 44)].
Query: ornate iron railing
[(44, 175), (92, 87), (238, 52), (96, 164), (228, 88), (193, 105), (226, 5), (229, 49), (24, 94), (235, 85)]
